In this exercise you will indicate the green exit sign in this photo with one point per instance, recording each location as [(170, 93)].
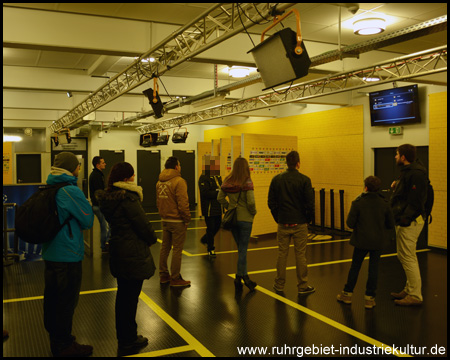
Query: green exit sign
[(396, 130)]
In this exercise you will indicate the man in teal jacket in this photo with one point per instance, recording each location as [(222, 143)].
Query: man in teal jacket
[(63, 256)]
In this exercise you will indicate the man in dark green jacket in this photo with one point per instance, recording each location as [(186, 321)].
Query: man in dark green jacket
[(370, 217)]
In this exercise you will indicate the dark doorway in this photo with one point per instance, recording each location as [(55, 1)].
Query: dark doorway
[(79, 148), (148, 170), (111, 157), (28, 168), (388, 171), (187, 161)]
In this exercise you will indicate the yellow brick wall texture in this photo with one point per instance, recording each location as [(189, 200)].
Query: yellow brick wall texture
[(330, 144), (225, 151), (437, 230)]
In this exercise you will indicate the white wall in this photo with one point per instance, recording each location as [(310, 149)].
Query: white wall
[(128, 140)]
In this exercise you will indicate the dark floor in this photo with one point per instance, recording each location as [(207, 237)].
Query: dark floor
[(210, 319)]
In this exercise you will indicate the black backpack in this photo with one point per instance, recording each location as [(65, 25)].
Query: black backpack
[(429, 203), (36, 221)]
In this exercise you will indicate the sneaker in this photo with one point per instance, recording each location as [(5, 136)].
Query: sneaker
[(74, 350), (180, 282), (131, 348), (212, 254), (369, 301), (409, 301), (307, 290), (401, 295), (164, 278), (345, 297)]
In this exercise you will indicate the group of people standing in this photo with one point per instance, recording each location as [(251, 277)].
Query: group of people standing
[(291, 202)]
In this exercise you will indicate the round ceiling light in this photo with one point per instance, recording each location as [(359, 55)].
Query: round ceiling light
[(369, 26), (238, 71)]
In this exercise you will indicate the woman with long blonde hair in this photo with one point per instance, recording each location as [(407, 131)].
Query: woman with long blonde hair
[(238, 187)]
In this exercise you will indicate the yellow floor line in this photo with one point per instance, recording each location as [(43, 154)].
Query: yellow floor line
[(165, 352), (264, 248), (41, 297), (322, 264), (154, 221), (331, 322), (191, 340)]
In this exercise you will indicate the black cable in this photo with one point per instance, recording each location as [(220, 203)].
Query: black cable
[(284, 92), (239, 13), (256, 8)]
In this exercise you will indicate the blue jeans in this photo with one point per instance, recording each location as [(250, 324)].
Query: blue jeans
[(105, 230), (241, 234)]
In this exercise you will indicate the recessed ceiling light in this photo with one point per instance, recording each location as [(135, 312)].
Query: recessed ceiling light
[(238, 71), (369, 26), (369, 79)]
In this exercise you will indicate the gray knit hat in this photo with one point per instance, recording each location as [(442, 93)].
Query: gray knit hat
[(66, 160)]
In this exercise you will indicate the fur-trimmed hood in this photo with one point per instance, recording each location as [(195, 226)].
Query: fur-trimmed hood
[(103, 195)]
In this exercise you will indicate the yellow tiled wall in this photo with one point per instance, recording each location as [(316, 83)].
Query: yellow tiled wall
[(437, 230), (225, 150), (330, 144)]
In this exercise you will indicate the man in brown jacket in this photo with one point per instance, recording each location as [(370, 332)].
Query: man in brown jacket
[(173, 205)]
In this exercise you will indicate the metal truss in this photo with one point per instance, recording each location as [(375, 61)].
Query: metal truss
[(220, 22), (423, 63)]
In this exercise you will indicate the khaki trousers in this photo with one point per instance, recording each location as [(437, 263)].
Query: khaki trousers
[(406, 252), (299, 235), (174, 235)]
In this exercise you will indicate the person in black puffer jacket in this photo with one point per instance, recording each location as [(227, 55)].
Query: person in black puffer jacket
[(131, 261)]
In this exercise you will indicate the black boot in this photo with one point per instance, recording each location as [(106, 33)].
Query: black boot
[(237, 283), (250, 284)]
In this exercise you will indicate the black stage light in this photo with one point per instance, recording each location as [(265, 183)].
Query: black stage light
[(148, 140), (54, 137), (155, 100), (158, 107), (282, 57), (179, 137), (162, 139)]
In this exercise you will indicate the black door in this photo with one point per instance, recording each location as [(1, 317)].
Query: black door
[(82, 181), (111, 157), (388, 171), (187, 161), (28, 168), (148, 170)]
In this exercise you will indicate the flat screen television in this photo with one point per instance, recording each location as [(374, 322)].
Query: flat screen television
[(397, 106)]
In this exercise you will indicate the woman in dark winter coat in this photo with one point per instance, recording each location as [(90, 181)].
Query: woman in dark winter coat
[(131, 261)]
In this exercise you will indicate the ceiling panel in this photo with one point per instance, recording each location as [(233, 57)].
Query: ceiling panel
[(319, 23)]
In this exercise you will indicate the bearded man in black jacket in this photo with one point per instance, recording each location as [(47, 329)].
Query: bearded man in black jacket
[(408, 206)]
